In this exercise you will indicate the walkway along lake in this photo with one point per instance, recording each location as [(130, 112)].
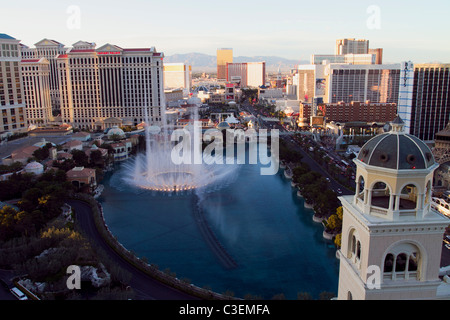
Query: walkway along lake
[(250, 235)]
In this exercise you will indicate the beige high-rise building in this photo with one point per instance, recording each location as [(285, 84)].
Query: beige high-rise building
[(12, 103), (224, 56), (246, 74), (177, 76), (36, 83), (48, 49), (111, 86), (355, 46)]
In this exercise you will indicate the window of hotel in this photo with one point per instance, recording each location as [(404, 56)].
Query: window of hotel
[(354, 249), (402, 263)]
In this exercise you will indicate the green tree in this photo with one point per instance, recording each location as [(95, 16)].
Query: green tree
[(8, 217), (80, 158), (96, 159)]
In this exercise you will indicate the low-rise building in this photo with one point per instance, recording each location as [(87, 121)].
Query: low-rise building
[(51, 130), (82, 177), (353, 111), (122, 150), (20, 155), (81, 136), (71, 145)]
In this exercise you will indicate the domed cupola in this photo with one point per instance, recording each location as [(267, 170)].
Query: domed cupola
[(397, 150), (394, 175), (390, 232)]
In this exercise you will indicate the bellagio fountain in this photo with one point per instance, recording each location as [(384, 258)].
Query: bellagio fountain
[(156, 169)]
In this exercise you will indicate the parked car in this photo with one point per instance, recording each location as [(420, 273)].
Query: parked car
[(18, 294)]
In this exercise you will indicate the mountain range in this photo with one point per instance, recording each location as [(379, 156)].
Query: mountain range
[(201, 62)]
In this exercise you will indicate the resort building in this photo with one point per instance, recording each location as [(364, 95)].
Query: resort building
[(48, 49), (178, 76), (122, 149), (82, 177), (246, 74), (430, 103), (391, 236), (354, 111), (378, 52), (224, 56), (346, 82), (12, 100), (110, 83), (353, 46), (36, 76)]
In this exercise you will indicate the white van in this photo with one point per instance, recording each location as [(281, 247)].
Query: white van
[(18, 294)]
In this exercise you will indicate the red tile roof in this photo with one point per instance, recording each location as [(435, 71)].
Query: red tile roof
[(80, 173)]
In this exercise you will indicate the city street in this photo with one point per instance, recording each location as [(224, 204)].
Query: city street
[(334, 185)]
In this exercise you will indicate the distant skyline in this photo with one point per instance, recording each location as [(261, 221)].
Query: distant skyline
[(413, 30)]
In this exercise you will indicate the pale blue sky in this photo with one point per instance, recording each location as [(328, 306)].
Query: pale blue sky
[(408, 30)]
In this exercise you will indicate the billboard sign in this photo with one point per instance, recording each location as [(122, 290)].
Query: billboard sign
[(320, 87)]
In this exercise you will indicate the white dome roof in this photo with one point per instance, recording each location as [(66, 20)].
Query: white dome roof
[(34, 167), (116, 131)]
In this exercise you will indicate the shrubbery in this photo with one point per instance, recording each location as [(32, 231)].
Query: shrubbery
[(41, 199)]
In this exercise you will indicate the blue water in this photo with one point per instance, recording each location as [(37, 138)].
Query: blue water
[(259, 221)]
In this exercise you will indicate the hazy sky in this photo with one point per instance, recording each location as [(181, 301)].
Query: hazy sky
[(407, 30)]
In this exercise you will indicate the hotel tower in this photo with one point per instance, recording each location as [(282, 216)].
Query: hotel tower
[(110, 86)]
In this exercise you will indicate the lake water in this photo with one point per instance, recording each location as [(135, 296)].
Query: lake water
[(258, 221)]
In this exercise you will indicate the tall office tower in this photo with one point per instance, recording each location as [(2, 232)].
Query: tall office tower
[(36, 84), (12, 103), (405, 94), (430, 100), (247, 74), (111, 86), (224, 56), (378, 52), (355, 46), (237, 73), (343, 82), (177, 75), (80, 87), (48, 49), (256, 74), (375, 83)]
